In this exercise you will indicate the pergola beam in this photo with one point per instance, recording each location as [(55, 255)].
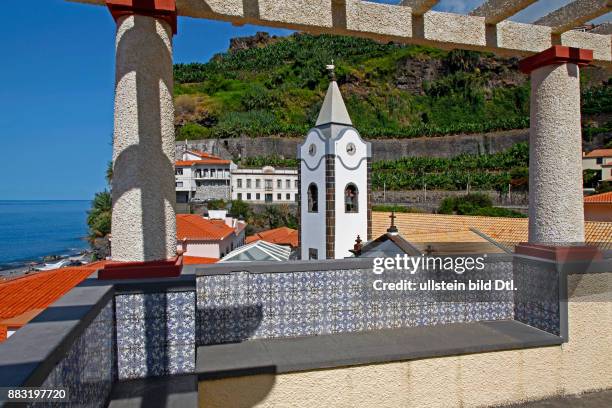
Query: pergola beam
[(387, 22), (495, 11), (419, 7), (574, 14)]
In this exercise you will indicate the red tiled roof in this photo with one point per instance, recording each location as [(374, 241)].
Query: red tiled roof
[(280, 236), (203, 154), (197, 260), (599, 198), (186, 163), (600, 153), (206, 158), (196, 227), (21, 299)]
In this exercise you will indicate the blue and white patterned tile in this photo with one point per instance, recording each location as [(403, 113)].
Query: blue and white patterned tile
[(180, 304), (323, 323), (140, 306), (239, 288), (180, 330), (141, 333), (181, 359), (281, 282)]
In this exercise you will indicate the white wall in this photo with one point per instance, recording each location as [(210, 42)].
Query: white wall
[(258, 174), (349, 225), (312, 225)]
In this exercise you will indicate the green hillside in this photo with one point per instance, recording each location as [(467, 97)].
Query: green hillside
[(275, 86)]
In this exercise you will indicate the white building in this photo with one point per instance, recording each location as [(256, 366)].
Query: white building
[(201, 176), (334, 183), (210, 238), (600, 160), (266, 185)]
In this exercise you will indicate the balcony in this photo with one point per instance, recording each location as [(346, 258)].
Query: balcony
[(260, 329)]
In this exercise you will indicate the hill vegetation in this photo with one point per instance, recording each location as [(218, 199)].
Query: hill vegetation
[(275, 86)]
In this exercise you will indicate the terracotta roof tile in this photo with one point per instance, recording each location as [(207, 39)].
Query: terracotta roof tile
[(280, 236), (196, 227), (507, 231), (23, 298), (186, 163), (599, 198), (197, 260), (600, 153)]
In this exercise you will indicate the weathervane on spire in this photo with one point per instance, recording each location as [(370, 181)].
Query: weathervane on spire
[(331, 68)]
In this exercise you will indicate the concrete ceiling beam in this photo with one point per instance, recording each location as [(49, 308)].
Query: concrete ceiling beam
[(574, 14), (387, 22), (495, 11), (419, 7)]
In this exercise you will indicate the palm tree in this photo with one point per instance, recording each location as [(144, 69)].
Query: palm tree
[(109, 173), (99, 216)]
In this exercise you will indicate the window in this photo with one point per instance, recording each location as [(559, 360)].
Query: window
[(313, 198), (248, 183), (179, 172), (268, 184), (599, 160), (239, 196), (279, 183), (313, 253), (268, 198), (257, 183), (212, 173), (258, 196), (287, 184), (179, 184), (351, 198), (295, 184), (248, 196), (279, 197), (288, 196), (239, 183)]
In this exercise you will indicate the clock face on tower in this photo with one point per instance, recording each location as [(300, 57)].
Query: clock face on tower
[(350, 149), (312, 149)]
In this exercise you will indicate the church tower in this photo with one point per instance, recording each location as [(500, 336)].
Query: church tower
[(334, 173)]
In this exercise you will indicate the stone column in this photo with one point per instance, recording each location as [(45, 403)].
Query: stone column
[(143, 189), (556, 214)]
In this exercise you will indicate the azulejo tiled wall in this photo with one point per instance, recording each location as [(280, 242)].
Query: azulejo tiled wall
[(242, 305), (87, 370), (155, 333), (537, 294)]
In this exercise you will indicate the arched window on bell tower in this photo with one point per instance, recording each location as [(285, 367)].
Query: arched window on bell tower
[(313, 198), (351, 198)]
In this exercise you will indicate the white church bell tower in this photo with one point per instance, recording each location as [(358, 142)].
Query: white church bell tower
[(334, 188)]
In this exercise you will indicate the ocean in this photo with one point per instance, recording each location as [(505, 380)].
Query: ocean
[(30, 230)]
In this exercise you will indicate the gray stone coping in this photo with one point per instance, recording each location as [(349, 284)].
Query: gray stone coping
[(277, 356), (161, 392), (27, 357), (314, 265)]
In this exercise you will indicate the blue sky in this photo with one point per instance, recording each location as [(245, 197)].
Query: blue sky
[(56, 98)]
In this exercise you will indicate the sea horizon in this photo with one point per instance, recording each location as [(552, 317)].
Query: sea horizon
[(33, 229)]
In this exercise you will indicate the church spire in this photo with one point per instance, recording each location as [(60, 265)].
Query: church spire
[(333, 109)]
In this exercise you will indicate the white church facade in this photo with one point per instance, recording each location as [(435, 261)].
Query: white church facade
[(334, 183)]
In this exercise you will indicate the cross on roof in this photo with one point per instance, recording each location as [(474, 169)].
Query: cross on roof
[(392, 228), (331, 68)]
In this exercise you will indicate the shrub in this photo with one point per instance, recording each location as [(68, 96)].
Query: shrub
[(396, 208)]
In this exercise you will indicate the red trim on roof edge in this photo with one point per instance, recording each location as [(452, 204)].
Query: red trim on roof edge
[(559, 253), (169, 268), (557, 54), (160, 9)]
